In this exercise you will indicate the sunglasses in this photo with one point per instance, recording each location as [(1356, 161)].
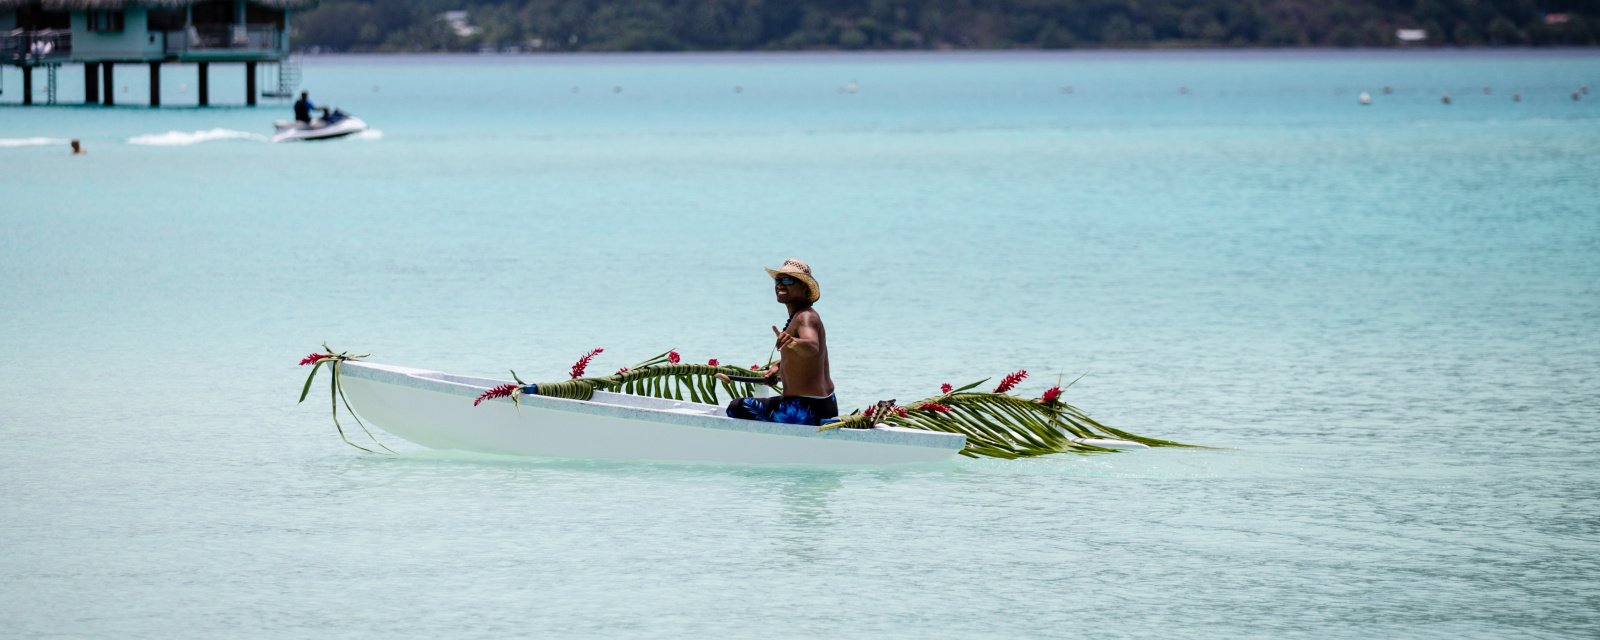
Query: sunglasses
[(786, 281)]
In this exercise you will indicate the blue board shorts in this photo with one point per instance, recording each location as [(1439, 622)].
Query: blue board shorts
[(785, 409)]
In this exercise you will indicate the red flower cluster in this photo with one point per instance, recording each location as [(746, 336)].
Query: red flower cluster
[(713, 362), (583, 363), (935, 407), (945, 388), (755, 367), (1051, 395), (622, 370), (672, 356), (502, 391), (1011, 381), (313, 358)]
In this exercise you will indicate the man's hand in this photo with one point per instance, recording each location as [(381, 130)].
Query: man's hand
[(723, 377), (785, 341)]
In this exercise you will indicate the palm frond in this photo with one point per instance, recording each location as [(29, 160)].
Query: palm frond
[(336, 391), (657, 379), (1000, 425)]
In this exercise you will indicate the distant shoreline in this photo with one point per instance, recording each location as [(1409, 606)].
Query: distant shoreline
[(981, 54)]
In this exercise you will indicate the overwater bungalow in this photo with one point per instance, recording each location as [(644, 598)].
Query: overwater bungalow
[(105, 34)]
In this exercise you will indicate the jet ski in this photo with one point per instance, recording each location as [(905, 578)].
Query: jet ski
[(335, 124)]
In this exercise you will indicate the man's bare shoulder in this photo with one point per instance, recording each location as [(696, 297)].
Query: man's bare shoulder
[(808, 315)]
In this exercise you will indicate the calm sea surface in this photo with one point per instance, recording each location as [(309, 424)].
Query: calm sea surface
[(1387, 317)]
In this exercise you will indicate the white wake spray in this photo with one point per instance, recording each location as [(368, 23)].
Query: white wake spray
[(183, 139), (31, 142)]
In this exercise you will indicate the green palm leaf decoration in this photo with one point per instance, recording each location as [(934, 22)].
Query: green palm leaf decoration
[(998, 424), (657, 377), (336, 390)]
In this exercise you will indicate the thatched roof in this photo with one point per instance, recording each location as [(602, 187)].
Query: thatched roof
[(76, 5)]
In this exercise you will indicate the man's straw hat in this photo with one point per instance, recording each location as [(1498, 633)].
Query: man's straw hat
[(799, 269)]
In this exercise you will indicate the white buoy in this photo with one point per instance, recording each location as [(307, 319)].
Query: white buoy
[(1365, 98), (851, 87)]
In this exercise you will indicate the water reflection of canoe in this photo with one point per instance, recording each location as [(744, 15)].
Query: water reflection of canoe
[(435, 410)]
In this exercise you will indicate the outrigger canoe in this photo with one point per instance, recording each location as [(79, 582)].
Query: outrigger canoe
[(436, 410)]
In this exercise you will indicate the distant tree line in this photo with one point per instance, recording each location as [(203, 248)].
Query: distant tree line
[(720, 25)]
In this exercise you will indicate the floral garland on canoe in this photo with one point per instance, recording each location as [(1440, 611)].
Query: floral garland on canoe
[(997, 423), (328, 357)]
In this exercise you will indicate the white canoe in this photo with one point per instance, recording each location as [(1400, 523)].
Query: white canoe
[(435, 410)]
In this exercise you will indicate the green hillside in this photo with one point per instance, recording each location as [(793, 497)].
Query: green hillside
[(722, 25)]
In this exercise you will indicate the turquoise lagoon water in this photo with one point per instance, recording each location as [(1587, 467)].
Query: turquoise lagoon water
[(1387, 317)]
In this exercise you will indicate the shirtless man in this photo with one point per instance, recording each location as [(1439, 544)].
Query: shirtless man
[(803, 357)]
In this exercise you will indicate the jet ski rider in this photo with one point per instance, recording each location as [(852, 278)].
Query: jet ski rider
[(303, 109)]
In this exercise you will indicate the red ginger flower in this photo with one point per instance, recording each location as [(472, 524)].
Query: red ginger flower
[(755, 367), (1051, 395), (935, 407), (945, 388), (313, 358), (583, 363), (901, 412), (1011, 381), (713, 362), (502, 391), (622, 370), (672, 356)]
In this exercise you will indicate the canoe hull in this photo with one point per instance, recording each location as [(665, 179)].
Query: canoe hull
[(436, 410)]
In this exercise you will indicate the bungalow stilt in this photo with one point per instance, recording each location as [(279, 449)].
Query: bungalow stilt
[(250, 84), (155, 84), (204, 71), (91, 83)]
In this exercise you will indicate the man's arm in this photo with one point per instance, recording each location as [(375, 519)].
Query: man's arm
[(804, 342)]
